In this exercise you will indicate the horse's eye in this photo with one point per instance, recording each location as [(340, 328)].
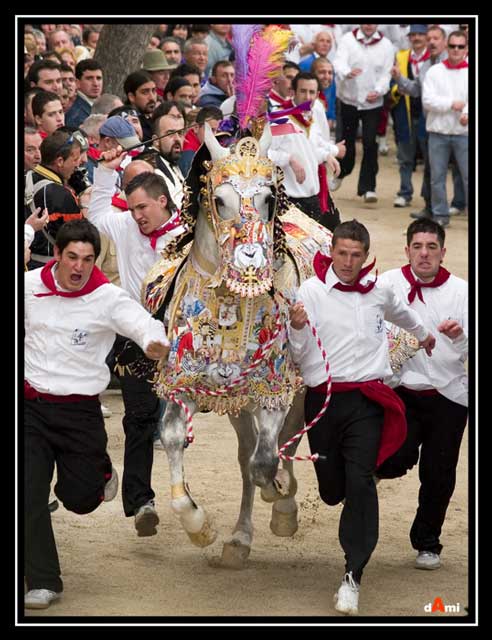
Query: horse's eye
[(218, 201)]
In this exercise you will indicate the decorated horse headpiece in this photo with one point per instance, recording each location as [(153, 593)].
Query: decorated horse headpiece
[(247, 179), (248, 239)]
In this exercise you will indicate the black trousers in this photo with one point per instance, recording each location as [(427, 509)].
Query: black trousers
[(142, 412), (72, 435), (311, 207), (437, 425), (348, 435), (369, 165)]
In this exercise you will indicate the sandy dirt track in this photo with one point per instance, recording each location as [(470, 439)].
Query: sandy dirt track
[(109, 571)]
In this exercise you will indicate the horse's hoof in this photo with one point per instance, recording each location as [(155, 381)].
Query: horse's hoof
[(284, 524), (206, 536), (234, 555)]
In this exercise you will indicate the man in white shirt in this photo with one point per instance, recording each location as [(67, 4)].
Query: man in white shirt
[(301, 145), (362, 65), (72, 314), (435, 391), (139, 235), (445, 98), (365, 420)]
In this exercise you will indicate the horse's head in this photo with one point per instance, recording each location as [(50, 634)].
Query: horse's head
[(240, 202)]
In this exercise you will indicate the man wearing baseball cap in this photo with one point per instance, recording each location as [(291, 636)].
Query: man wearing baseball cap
[(117, 131)]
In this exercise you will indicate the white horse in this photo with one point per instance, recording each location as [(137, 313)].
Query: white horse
[(228, 335)]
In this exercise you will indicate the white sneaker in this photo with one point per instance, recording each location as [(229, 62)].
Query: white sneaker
[(383, 146), (400, 201), (146, 520), (106, 411), (370, 196), (40, 598), (347, 597), (454, 211), (427, 560), (111, 487), (334, 183)]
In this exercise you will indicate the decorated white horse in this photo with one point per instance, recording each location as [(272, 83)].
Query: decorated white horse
[(223, 290), (227, 328)]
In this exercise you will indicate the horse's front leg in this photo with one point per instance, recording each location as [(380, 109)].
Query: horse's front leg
[(193, 518), (236, 549), (264, 462), (284, 488)]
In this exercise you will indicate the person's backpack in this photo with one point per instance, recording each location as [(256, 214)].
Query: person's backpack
[(30, 190)]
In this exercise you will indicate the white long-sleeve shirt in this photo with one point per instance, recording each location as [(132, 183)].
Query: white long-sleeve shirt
[(442, 87), (134, 253), (445, 369), (310, 148), (375, 60), (67, 339), (351, 328)]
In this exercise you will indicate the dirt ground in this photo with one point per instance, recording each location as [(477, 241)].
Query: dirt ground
[(109, 571)]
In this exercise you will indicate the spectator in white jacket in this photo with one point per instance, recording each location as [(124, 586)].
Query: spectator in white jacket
[(445, 98), (301, 145), (362, 65)]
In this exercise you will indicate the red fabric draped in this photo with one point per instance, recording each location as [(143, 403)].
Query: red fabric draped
[(394, 429)]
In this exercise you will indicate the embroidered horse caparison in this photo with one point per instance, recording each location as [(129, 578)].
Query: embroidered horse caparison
[(224, 319)]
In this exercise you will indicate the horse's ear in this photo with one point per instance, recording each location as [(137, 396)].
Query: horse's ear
[(193, 181), (216, 151), (265, 140)]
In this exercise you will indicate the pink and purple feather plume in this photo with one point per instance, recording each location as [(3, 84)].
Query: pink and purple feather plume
[(259, 57)]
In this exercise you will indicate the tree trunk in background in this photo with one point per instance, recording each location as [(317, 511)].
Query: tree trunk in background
[(120, 51)]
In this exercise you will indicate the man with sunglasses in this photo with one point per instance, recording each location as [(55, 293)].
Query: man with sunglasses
[(47, 187), (436, 46), (445, 98)]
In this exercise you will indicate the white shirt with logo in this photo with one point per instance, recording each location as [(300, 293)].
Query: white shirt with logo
[(351, 328)]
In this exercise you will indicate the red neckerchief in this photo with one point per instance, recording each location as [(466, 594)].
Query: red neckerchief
[(42, 133), (377, 37), (94, 153), (97, 278), (323, 99), (282, 102), (322, 263), (413, 59), (160, 92), (172, 223), (394, 430), (417, 286), (462, 65), (119, 203)]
